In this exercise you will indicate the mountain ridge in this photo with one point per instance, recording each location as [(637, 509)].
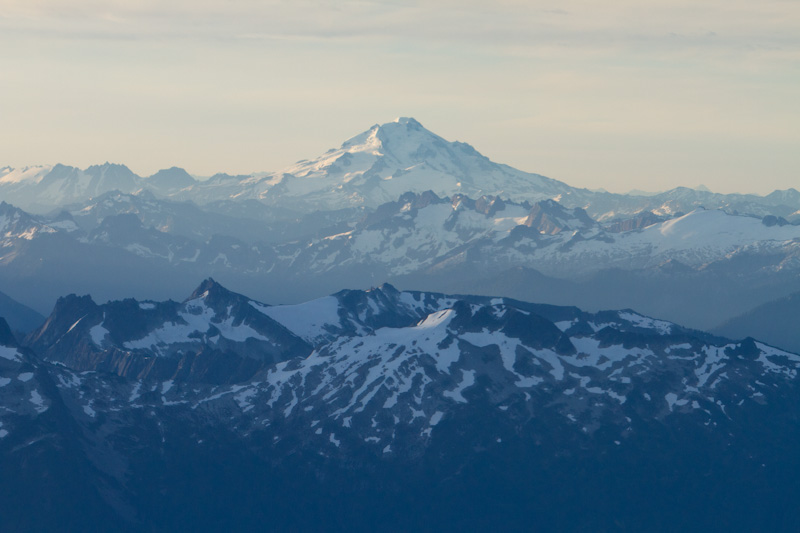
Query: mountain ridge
[(498, 399)]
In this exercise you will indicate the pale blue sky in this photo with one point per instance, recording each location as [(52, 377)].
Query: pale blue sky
[(621, 94)]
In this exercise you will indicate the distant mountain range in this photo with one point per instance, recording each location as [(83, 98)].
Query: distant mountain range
[(422, 410), (368, 170)]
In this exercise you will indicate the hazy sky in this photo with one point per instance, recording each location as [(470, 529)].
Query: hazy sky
[(619, 94)]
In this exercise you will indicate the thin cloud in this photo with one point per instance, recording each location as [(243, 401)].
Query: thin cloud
[(576, 24)]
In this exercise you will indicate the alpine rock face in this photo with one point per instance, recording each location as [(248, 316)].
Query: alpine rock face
[(365, 403), (213, 336)]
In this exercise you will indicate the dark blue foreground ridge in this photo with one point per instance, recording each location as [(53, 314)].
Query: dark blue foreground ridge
[(388, 409)]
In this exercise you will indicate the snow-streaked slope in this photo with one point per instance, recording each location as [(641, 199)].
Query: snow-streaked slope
[(312, 321), (616, 363), (700, 237), (366, 384), (710, 229), (26, 175), (481, 384), (194, 321), (423, 236)]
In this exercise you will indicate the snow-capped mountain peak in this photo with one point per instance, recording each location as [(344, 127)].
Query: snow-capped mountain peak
[(387, 160), (400, 127), (400, 142)]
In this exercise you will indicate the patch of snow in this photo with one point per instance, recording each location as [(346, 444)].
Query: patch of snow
[(38, 401), (98, 334), (436, 319), (243, 398), (672, 400), (662, 326), (135, 392), (28, 174), (684, 346), (789, 370), (564, 325), (345, 234), (309, 321), (9, 353), (70, 381), (591, 354), (715, 359), (198, 318), (467, 380)]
